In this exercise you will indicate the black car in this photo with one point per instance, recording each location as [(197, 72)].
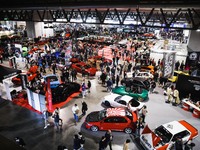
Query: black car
[(136, 82), (63, 91)]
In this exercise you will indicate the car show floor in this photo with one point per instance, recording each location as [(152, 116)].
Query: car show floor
[(17, 121)]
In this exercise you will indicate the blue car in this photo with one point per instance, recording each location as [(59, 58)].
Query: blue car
[(54, 82)]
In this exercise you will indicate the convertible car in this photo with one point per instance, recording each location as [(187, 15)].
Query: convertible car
[(135, 92), (81, 66), (116, 100), (63, 91)]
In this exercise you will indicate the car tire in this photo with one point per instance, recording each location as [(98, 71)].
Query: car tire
[(128, 130), (94, 128), (128, 89), (107, 103)]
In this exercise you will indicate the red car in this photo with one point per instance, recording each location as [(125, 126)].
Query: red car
[(93, 59), (81, 66), (118, 119)]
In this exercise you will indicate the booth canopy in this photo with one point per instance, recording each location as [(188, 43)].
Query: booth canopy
[(6, 72)]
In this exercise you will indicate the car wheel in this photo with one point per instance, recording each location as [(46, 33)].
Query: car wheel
[(128, 89), (128, 130), (107, 103), (94, 128)]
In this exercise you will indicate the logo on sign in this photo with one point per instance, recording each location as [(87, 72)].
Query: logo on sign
[(193, 56)]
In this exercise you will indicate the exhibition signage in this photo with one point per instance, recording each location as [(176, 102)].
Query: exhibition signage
[(168, 64), (49, 95), (24, 81), (188, 85)]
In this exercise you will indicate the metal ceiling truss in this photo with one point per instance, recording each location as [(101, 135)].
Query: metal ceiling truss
[(149, 17)]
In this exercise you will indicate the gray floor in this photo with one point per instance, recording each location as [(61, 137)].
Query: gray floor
[(18, 121)]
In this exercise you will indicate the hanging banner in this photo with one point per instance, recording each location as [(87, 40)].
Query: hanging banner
[(49, 95), (168, 64)]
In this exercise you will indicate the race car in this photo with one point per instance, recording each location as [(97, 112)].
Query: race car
[(164, 136)]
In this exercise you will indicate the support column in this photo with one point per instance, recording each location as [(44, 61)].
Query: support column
[(194, 43), (30, 28)]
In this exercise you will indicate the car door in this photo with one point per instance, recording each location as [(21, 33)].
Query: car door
[(107, 124), (121, 103)]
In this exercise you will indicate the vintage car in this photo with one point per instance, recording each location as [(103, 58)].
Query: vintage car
[(174, 78), (64, 90), (149, 68), (136, 82), (93, 59), (164, 136), (54, 82), (116, 100), (31, 74), (118, 119), (135, 92), (81, 66)]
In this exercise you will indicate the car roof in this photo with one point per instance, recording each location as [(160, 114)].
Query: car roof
[(174, 127), (115, 112), (126, 98)]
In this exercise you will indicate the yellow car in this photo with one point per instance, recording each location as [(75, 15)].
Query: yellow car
[(174, 78)]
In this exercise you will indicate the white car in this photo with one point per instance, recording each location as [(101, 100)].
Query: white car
[(164, 136), (116, 100), (146, 75)]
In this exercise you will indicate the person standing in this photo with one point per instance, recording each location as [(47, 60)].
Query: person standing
[(126, 144), (77, 144), (117, 80), (46, 118), (144, 113), (178, 145), (83, 89), (84, 108), (54, 67), (82, 140), (109, 138), (102, 143), (89, 86), (75, 110), (139, 125), (56, 121)]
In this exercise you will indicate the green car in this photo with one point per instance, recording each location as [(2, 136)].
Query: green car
[(135, 92)]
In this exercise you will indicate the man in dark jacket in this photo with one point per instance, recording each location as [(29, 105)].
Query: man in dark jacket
[(84, 108)]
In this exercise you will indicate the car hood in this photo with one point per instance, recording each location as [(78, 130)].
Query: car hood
[(149, 139), (93, 117)]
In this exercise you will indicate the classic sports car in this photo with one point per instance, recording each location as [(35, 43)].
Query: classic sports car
[(164, 136), (63, 91), (149, 68), (118, 119), (54, 82), (135, 92), (31, 74), (81, 66), (93, 59), (17, 79), (116, 100), (136, 82)]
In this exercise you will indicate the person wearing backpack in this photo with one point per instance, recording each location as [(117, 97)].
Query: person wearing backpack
[(81, 139)]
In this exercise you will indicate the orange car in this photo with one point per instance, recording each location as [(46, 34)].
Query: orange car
[(82, 66), (150, 68)]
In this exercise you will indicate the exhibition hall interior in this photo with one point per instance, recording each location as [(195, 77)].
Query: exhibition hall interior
[(100, 75)]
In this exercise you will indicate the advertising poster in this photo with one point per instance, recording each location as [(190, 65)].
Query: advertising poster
[(49, 95), (24, 80), (188, 85), (168, 64), (192, 60)]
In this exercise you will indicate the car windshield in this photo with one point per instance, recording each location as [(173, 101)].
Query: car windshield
[(129, 115), (52, 78), (102, 114), (163, 133), (134, 103), (118, 98)]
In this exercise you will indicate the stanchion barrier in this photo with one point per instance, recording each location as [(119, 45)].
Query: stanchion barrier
[(196, 113), (186, 107)]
